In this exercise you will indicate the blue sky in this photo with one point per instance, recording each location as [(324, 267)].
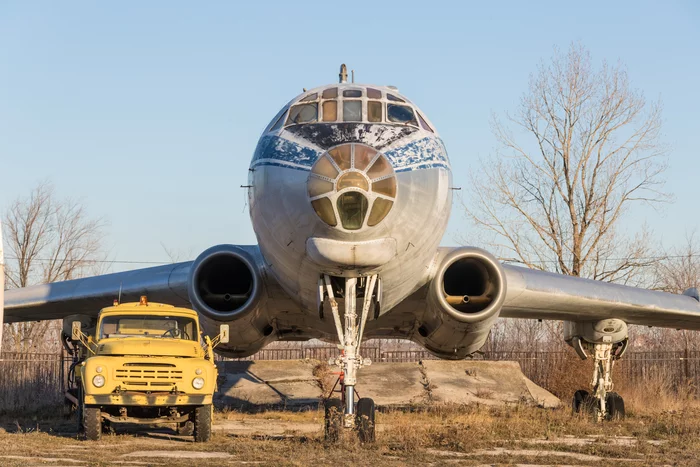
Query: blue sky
[(149, 111)]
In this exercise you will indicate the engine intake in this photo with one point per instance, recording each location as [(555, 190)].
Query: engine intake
[(224, 282), (470, 285)]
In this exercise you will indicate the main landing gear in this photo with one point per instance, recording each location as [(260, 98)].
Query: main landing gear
[(346, 413), (601, 403)]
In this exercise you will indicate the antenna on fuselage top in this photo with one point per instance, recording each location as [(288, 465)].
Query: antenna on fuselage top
[(343, 73), (353, 76)]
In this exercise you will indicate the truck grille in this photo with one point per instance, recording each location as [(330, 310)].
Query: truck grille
[(161, 375)]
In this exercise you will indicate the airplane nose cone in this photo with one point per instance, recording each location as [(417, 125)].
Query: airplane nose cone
[(352, 187)]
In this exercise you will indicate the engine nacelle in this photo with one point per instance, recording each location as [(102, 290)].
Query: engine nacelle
[(605, 331), (224, 283), (465, 298)]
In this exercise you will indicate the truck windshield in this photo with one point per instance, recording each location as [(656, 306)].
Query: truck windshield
[(166, 327)]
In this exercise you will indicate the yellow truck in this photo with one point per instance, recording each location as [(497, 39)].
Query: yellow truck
[(147, 363)]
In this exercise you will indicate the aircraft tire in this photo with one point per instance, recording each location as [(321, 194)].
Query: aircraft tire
[(333, 418), (616, 406), (93, 423), (202, 423), (579, 397), (365, 422)]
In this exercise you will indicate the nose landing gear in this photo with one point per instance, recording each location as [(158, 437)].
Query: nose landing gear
[(345, 413)]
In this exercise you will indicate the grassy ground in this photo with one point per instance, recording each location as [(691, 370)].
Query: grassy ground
[(652, 435)]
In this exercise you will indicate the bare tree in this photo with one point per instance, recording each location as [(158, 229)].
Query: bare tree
[(47, 240), (582, 147), (678, 271)]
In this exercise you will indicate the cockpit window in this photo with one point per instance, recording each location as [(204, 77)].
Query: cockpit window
[(324, 209), (330, 111), (279, 122), (276, 122), (423, 123), (352, 111), (341, 104), (374, 93), (303, 113), (374, 111), (342, 156), (330, 93), (400, 114), (380, 209), (352, 207)]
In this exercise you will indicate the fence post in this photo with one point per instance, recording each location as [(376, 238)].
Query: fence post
[(62, 370)]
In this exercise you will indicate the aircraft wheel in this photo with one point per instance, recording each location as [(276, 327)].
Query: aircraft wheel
[(365, 422), (202, 423), (334, 412), (93, 423), (579, 397), (615, 405)]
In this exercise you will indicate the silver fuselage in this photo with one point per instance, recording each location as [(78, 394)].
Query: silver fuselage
[(287, 226)]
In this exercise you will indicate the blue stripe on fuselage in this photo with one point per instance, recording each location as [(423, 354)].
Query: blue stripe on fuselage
[(425, 153)]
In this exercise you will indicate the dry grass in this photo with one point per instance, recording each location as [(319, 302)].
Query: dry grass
[(435, 434)]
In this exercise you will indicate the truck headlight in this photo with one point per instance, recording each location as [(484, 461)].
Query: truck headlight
[(98, 369), (198, 383), (98, 381)]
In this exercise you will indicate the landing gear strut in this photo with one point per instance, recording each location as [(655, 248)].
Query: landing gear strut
[(601, 403), (345, 413)]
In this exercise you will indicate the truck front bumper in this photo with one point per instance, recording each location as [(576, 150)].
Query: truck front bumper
[(132, 398)]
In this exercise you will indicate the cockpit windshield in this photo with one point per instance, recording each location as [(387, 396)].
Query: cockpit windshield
[(350, 103), (303, 113), (400, 114), (167, 327)]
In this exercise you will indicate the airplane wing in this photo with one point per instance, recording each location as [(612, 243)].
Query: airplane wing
[(194, 284), (544, 295), (166, 284)]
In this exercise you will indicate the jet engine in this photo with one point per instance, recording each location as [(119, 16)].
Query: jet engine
[(224, 283), (464, 299)]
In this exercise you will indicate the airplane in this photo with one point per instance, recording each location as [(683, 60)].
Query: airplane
[(350, 191)]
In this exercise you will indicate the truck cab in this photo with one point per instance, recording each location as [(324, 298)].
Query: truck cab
[(147, 363)]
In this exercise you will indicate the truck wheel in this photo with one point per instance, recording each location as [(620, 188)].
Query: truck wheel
[(92, 420), (202, 423), (80, 409)]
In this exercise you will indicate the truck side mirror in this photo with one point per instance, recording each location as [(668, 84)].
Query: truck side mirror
[(76, 330), (223, 334)]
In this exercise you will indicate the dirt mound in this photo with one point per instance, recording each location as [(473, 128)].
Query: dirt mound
[(298, 383)]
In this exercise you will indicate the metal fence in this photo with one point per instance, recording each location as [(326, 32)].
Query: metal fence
[(32, 381)]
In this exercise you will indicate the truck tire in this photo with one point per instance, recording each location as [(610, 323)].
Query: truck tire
[(202, 423), (80, 409), (92, 421)]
